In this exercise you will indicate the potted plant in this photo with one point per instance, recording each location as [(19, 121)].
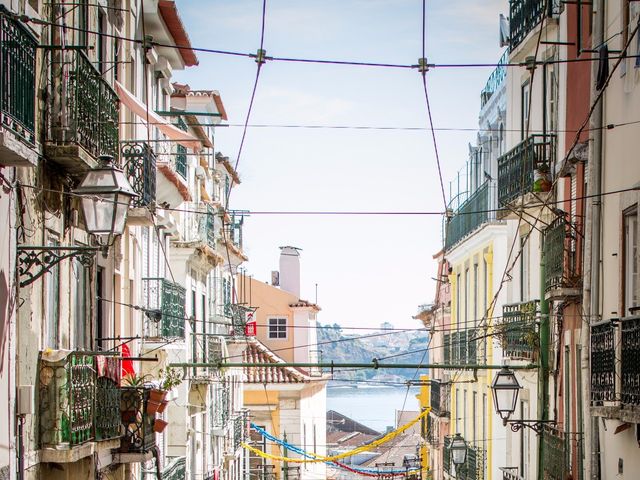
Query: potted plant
[(170, 378), (159, 425), (132, 397)]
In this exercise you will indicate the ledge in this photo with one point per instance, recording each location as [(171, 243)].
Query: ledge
[(16, 153), (562, 293), (625, 413), (132, 457), (71, 156), (139, 217)]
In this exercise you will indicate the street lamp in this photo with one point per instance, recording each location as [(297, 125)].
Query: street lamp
[(458, 449), (105, 196), (505, 388)]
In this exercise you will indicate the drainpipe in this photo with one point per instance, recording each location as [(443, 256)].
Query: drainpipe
[(543, 371), (591, 261)]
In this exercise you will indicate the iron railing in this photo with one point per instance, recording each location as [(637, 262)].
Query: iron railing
[(85, 107), (519, 330), (554, 464), (524, 15), (446, 347), (511, 473), (470, 216), (630, 365), (207, 348), (603, 362), (240, 429), (165, 305), (440, 396), (17, 77), (220, 406), (233, 228), (446, 456), (139, 163), (200, 224), (137, 424), (516, 167), (496, 79), (560, 261), (474, 465), (78, 398)]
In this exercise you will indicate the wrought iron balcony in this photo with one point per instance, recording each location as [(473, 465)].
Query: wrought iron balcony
[(200, 224), (496, 80), (240, 429), (469, 217), (630, 365), (554, 446), (17, 77), (440, 398), (207, 348), (233, 229), (472, 469), (220, 406), (79, 398), (519, 330), (139, 436), (525, 15), (166, 302), (603, 362), (84, 109), (511, 473), (560, 257), (516, 167), (139, 163)]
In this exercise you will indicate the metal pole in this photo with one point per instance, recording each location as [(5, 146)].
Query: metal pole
[(543, 372), (285, 464), (375, 365)]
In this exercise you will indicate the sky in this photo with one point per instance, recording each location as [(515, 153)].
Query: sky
[(368, 269)]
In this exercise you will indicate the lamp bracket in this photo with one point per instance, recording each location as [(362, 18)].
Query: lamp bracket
[(535, 425), (36, 260)]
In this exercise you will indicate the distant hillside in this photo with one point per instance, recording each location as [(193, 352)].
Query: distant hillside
[(348, 347)]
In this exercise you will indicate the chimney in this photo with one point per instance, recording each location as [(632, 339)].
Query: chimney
[(290, 270)]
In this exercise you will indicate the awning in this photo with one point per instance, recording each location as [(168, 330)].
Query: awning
[(152, 118)]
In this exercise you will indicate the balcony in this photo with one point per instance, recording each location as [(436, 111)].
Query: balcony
[(495, 81), (469, 217), (603, 362), (166, 301), (474, 466), (240, 425), (440, 398), (525, 15), (139, 163), (139, 437), (519, 330), (555, 465), (18, 97), (518, 167), (561, 265), (220, 407), (511, 473), (79, 403), (461, 347), (84, 112), (200, 225), (630, 366), (207, 348), (233, 231)]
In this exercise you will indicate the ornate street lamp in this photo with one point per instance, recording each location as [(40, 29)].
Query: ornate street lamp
[(505, 388), (458, 449), (105, 198)]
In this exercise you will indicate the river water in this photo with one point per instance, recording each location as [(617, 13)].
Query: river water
[(374, 407)]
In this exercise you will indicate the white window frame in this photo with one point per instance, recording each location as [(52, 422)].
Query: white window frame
[(630, 232), (274, 328)]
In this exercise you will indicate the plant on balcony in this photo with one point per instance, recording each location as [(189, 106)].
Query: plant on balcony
[(171, 378), (541, 180), (131, 399)]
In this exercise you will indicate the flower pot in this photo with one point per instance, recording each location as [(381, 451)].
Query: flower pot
[(153, 406), (157, 395), (162, 406), (159, 425)]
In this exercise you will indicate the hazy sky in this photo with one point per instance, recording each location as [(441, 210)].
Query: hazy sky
[(368, 269)]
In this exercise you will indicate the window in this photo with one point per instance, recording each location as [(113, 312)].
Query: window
[(278, 328), (83, 24), (457, 410), (458, 301), (524, 269), (475, 293), (467, 291), (524, 120), (630, 259), (474, 416), (102, 45)]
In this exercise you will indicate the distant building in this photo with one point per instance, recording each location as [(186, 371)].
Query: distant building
[(386, 326)]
